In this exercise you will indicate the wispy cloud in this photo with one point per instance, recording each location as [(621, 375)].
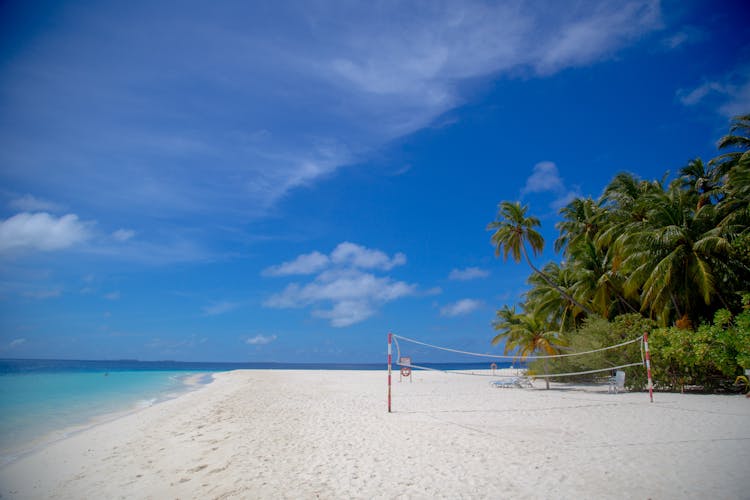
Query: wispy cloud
[(29, 203), (43, 293), (260, 340), (580, 39), (123, 234), (460, 308), (112, 295), (685, 36), (346, 291), (364, 75), (16, 343), (729, 94), (309, 263), (469, 273), (218, 308)]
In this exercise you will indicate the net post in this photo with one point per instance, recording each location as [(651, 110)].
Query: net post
[(390, 340), (648, 367)]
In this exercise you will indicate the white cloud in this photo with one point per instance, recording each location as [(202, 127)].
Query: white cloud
[(345, 255), (470, 273), (565, 198), (346, 313), (260, 339), (16, 342), (693, 97), (29, 203), (579, 38), (351, 254), (345, 293), (685, 36), (41, 231), (460, 308), (220, 308), (112, 295), (674, 41), (545, 178), (309, 263), (123, 234), (729, 94)]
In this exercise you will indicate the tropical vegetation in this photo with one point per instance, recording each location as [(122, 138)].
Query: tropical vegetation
[(672, 258)]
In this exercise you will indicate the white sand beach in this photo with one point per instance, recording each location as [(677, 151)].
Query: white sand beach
[(327, 434)]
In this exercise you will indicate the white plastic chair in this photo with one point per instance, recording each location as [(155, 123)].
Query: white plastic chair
[(617, 383)]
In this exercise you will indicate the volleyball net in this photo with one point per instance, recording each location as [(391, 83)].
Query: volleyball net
[(565, 366)]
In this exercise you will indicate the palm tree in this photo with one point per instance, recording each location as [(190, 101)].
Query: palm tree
[(506, 318), (597, 280), (526, 334), (735, 165), (700, 179), (671, 257), (513, 229), (546, 302), (581, 219), (733, 210), (738, 138)]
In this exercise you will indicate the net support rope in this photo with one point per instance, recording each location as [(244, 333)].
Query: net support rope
[(552, 375), (497, 356)]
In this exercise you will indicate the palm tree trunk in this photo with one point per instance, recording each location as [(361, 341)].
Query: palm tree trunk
[(676, 307), (562, 292), (546, 379), (624, 301)]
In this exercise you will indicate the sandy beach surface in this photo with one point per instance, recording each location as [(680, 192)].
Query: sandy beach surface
[(327, 434)]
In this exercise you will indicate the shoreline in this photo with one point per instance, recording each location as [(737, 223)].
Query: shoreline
[(308, 434), (190, 383)]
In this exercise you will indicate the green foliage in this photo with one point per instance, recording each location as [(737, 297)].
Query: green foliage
[(597, 333), (709, 357)]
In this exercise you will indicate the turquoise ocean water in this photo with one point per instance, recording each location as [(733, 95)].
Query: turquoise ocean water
[(40, 407)]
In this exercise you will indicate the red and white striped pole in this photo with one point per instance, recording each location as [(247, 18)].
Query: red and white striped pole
[(648, 367), (390, 339)]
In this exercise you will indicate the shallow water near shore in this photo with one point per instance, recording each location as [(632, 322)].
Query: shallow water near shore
[(41, 406)]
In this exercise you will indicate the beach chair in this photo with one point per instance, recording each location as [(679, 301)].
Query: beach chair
[(514, 382), (617, 383), (525, 382), (503, 384)]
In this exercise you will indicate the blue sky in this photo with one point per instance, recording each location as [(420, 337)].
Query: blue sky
[(289, 181)]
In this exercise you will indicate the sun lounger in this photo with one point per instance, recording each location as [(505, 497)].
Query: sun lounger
[(517, 382)]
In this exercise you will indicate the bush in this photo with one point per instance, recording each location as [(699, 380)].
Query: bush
[(597, 333), (710, 357)]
